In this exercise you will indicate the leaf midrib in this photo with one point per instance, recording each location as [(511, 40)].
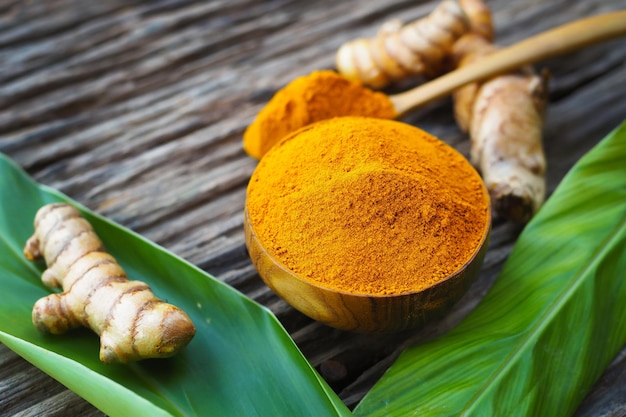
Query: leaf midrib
[(544, 318)]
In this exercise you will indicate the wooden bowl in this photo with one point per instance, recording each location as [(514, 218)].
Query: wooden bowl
[(312, 193), (364, 313)]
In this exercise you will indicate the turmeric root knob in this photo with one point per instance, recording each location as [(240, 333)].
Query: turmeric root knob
[(398, 51), (132, 323)]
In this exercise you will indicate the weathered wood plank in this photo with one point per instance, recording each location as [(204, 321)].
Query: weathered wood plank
[(136, 109)]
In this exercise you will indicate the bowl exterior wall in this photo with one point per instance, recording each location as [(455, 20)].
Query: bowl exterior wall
[(357, 312)]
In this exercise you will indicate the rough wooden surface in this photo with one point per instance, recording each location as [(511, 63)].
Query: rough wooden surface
[(136, 109)]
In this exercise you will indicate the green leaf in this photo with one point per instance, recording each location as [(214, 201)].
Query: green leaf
[(240, 363), (553, 320)]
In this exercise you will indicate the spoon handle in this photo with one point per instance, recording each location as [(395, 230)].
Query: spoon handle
[(560, 40)]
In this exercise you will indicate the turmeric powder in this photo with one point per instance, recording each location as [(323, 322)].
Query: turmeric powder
[(310, 98), (368, 206), (132, 323)]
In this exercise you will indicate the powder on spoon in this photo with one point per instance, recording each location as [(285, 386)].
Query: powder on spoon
[(310, 98)]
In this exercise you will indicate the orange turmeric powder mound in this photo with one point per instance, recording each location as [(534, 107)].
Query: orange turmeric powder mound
[(368, 206), (318, 96)]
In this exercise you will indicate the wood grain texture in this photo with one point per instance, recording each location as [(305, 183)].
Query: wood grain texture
[(136, 109)]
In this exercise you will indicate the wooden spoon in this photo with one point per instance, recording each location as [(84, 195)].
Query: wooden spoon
[(560, 40)]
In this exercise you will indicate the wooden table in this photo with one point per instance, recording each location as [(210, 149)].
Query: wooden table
[(136, 109)]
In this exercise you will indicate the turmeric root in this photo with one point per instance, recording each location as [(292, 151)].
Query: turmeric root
[(396, 52), (132, 323), (504, 118), (479, 16)]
